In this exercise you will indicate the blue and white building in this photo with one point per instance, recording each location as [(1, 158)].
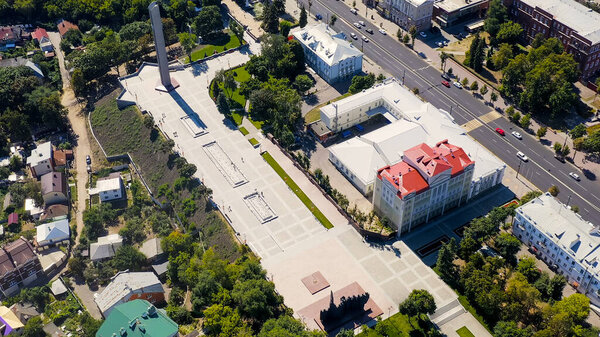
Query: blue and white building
[(328, 53), (562, 239)]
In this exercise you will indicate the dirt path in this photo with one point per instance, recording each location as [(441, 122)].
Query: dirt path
[(78, 123)]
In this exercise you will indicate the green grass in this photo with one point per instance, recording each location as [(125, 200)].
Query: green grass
[(236, 99), (299, 193), (257, 124), (73, 193), (464, 332), (226, 40), (253, 141), (398, 325), (243, 130), (237, 118), (593, 129), (315, 114)]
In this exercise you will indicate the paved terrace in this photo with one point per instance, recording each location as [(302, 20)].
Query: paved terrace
[(292, 243)]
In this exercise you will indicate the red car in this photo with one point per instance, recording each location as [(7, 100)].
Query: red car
[(500, 131), (446, 84)]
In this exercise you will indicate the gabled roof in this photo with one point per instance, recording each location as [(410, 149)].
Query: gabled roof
[(39, 33), (58, 287), (55, 211), (330, 46), (427, 160), (54, 231), (124, 284), (13, 218), (6, 265), (64, 26), (10, 319), (54, 182), (21, 252), (151, 248), (112, 182), (137, 318), (404, 177), (106, 247)]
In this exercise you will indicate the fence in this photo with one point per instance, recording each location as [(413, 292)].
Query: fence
[(367, 234)]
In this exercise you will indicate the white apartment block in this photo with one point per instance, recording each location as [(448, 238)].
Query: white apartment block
[(40, 161), (563, 240), (426, 183), (408, 13), (328, 53)]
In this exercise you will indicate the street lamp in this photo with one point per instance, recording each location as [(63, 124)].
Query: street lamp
[(519, 168)]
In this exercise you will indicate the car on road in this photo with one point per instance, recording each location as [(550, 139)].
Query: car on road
[(517, 135), (88, 160), (319, 16), (522, 156), (574, 176), (362, 23), (559, 158), (364, 38), (446, 84), (353, 11), (353, 36), (382, 31), (369, 30), (457, 84), (89, 169), (423, 35), (500, 131), (357, 25), (445, 76)]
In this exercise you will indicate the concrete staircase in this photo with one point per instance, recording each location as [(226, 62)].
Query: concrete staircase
[(447, 312)]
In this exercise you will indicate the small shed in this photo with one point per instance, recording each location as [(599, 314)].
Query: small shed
[(58, 288), (13, 219)]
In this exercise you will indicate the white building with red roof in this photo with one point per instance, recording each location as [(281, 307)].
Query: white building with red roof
[(41, 37), (426, 183)]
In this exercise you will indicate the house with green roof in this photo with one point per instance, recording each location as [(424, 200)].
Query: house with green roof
[(137, 318)]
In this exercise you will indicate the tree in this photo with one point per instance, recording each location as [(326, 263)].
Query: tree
[(530, 196), (474, 86), (127, 257), (399, 34), (229, 83), (270, 19), (538, 40), (579, 130), (303, 83), (510, 329), (465, 82), (303, 17), (525, 121), (419, 302), (483, 90), (206, 286), (406, 38), (507, 245), (78, 82), (476, 54), (188, 43), (541, 132), (179, 314), (188, 170), (256, 299), (176, 243), (360, 83), (34, 328), (493, 96), (553, 190), (413, 34), (576, 307), (445, 262), (284, 28), (286, 326), (237, 29), (223, 104), (332, 20), (220, 320), (133, 231), (496, 16), (509, 32), (135, 30), (443, 57), (208, 22), (503, 56)]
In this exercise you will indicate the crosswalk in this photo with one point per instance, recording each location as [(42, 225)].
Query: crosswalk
[(487, 118)]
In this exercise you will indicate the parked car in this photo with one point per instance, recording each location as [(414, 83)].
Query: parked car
[(89, 169), (353, 36), (88, 160), (369, 30), (382, 31), (353, 11), (362, 23), (319, 16), (517, 135), (423, 35), (522, 156), (574, 176), (445, 76), (457, 84), (500, 131), (364, 38), (357, 25), (446, 84)]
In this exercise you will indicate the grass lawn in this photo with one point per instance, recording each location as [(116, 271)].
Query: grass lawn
[(593, 128), (315, 114), (253, 141), (237, 118), (225, 40), (236, 100), (464, 332), (73, 193), (299, 193), (257, 124), (398, 325), (243, 130)]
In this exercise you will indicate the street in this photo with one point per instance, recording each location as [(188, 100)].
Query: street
[(542, 169)]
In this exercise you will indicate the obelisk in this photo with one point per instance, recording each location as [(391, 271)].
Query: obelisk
[(161, 52)]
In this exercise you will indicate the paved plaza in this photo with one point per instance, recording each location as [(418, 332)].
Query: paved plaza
[(290, 241)]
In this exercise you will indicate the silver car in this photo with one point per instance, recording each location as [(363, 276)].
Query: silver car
[(522, 156), (517, 135), (574, 176)]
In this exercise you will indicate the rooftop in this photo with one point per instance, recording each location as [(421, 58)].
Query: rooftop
[(126, 283), (64, 26), (20, 251), (330, 46), (55, 211), (405, 177), (40, 153), (151, 248), (576, 236), (53, 232), (112, 182), (54, 182), (453, 5), (39, 33), (573, 14), (137, 318), (105, 247), (6, 265), (10, 319)]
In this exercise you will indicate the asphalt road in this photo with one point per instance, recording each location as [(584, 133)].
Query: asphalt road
[(542, 169)]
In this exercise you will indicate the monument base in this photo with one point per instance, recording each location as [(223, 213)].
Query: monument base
[(160, 87)]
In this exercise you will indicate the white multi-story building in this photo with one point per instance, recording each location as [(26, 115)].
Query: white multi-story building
[(328, 53), (563, 240), (40, 161), (426, 183), (109, 188), (408, 13), (412, 122)]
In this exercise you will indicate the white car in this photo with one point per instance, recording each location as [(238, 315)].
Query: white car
[(522, 156), (382, 31), (517, 135), (574, 176), (357, 25), (364, 38), (353, 11), (362, 23), (423, 35), (457, 84), (354, 36)]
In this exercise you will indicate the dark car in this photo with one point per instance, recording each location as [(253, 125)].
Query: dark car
[(369, 30), (88, 160), (319, 16), (445, 76)]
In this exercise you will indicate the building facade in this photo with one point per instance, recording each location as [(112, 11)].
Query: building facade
[(562, 239), (19, 266), (428, 182), (451, 12), (110, 188), (328, 53), (408, 13), (40, 161), (573, 24)]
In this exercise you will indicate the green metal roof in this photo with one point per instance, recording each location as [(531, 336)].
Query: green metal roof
[(137, 318)]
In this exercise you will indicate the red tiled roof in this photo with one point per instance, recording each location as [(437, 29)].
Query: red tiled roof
[(64, 27), (62, 156), (427, 160), (13, 218), (7, 34), (405, 177), (454, 155), (39, 33)]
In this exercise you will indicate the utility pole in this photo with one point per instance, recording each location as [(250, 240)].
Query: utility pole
[(403, 74), (568, 201), (519, 168)]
